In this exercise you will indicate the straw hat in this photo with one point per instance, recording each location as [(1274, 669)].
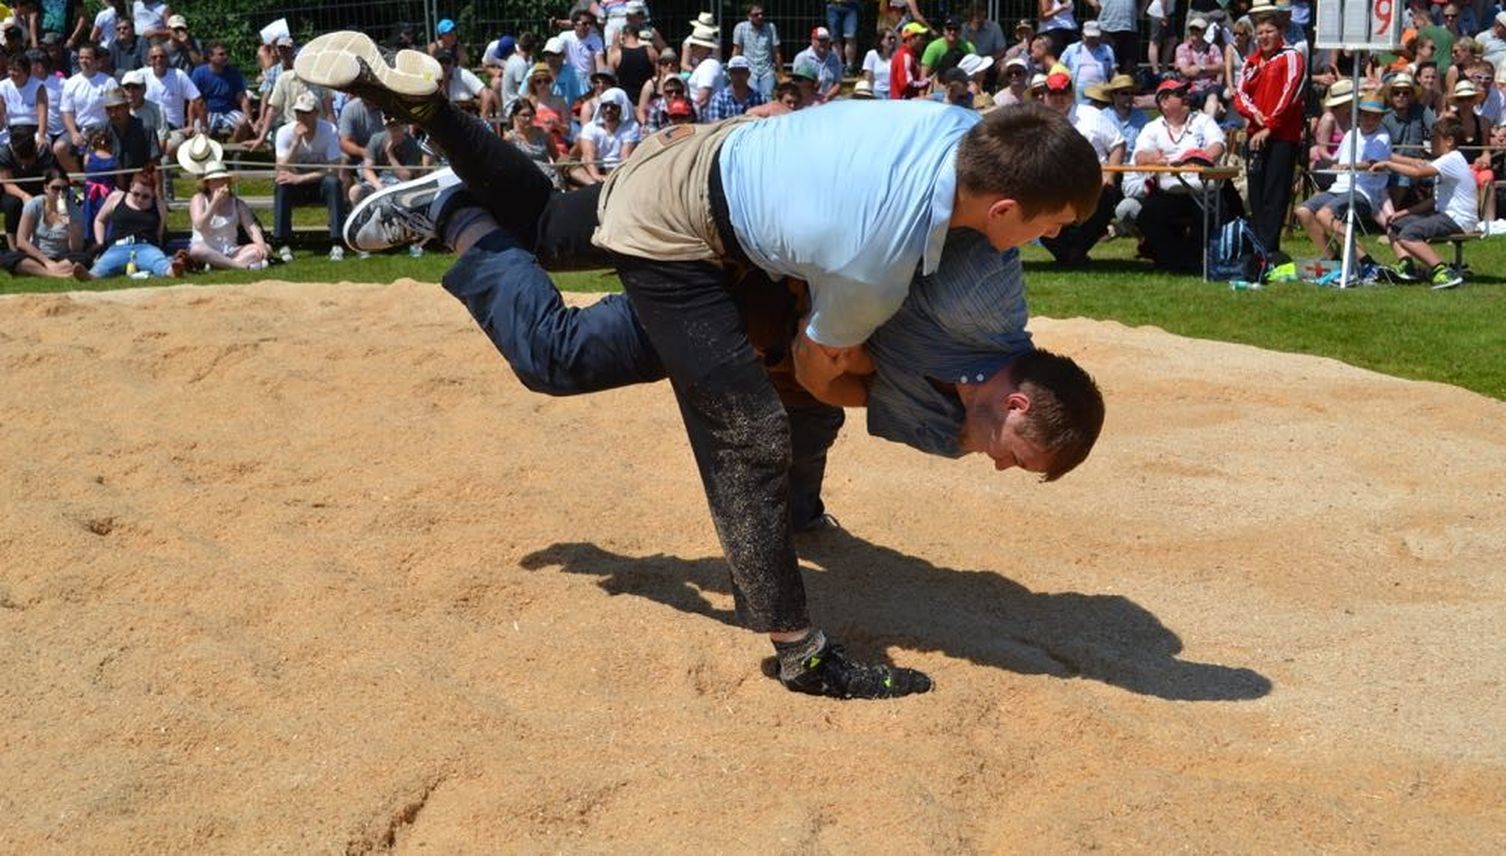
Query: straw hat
[(1463, 89), (862, 89), (1341, 92), (705, 19), (196, 154), (706, 37), (1370, 103), (214, 169), (1402, 78)]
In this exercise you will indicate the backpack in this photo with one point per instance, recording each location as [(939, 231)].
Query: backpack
[(1234, 252)]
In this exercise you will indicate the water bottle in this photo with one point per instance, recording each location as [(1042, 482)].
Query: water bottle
[(1244, 285), (131, 264)]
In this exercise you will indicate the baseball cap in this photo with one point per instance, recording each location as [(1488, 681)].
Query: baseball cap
[(1016, 62), (1198, 156), (177, 22), (444, 26), (555, 45), (1198, 24), (1024, 24), (506, 45), (952, 22), (805, 69), (305, 103), (1092, 29), (954, 75), (821, 33), (1501, 18), (913, 28), (1175, 84), (116, 97), (636, 8), (1038, 81), (134, 77), (284, 41), (679, 108), (739, 62), (1058, 81)]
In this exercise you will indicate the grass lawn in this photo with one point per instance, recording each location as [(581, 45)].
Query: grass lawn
[(1456, 337)]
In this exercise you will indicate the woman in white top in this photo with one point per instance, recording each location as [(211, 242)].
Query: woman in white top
[(876, 63), (25, 98), (1057, 23), (608, 139), (218, 215)]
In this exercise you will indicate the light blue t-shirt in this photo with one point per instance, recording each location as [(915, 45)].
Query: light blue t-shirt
[(958, 326), (848, 198)]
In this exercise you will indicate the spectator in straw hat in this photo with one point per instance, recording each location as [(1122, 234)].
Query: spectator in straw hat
[(1122, 113), (707, 77), (218, 216), (1474, 130), (308, 149), (824, 60), (705, 29), (1331, 127)]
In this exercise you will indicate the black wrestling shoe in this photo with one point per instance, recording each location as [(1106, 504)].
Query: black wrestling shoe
[(407, 87), (829, 672)]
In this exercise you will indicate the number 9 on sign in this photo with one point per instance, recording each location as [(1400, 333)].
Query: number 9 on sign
[(1381, 12)]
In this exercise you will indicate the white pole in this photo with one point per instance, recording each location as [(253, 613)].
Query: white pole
[(1353, 138)]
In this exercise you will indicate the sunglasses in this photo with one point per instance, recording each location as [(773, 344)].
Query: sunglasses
[(545, 80), (56, 188)]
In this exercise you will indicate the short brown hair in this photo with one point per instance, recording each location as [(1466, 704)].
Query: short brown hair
[(1033, 155), (1066, 408), (1449, 127)]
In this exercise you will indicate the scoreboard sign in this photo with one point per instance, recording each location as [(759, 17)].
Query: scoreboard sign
[(1373, 25)]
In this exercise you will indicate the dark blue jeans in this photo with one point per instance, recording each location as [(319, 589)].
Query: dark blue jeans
[(285, 196)]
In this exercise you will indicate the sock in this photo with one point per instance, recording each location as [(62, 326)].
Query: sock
[(792, 655), (466, 225)]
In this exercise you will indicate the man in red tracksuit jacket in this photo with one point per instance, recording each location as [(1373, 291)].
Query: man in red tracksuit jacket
[(1270, 98), (904, 67)]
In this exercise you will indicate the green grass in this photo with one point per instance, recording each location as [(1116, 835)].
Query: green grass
[(1456, 337)]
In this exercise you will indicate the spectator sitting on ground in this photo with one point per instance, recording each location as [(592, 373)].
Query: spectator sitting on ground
[(307, 150), (447, 39), (285, 91), (1453, 208), (184, 51), (24, 98), (101, 174), (130, 227), (608, 139), (1016, 88), (172, 90), (1323, 215), (82, 107), (218, 217), (22, 167), (226, 103), (1170, 218), (945, 52), (1071, 245), (1202, 64), (673, 89), (825, 62), (392, 154), (739, 96), (709, 77), (1089, 61), (128, 50), (50, 235), (876, 64)]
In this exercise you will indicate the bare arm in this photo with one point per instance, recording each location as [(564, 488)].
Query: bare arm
[(26, 230), (102, 219)]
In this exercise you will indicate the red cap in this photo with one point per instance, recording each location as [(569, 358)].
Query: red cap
[(1199, 156), (1058, 81), (1171, 85), (679, 107)]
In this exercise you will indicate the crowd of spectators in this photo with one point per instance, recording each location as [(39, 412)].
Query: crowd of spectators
[(103, 100)]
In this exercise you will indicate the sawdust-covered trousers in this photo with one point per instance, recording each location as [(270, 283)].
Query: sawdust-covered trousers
[(679, 320)]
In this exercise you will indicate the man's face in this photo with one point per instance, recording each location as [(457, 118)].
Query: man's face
[(158, 60), (119, 115), (1123, 99), (18, 76), (820, 45), (950, 34), (755, 16), (1401, 98), (124, 29), (956, 90), (217, 58), (1195, 34), (998, 428), (307, 118), (86, 61), (790, 100), (582, 26), (1059, 100), (740, 77), (1008, 228)]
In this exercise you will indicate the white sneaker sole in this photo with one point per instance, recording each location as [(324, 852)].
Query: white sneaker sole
[(335, 60)]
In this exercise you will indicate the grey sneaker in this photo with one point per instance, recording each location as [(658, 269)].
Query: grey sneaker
[(352, 62), (405, 213)]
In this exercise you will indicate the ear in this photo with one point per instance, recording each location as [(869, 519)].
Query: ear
[(1017, 401), (1001, 207)]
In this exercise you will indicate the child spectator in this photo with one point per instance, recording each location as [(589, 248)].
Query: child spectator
[(1323, 215), (1453, 208)]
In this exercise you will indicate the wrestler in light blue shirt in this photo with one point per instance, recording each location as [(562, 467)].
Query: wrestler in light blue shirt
[(850, 199), (959, 325)]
